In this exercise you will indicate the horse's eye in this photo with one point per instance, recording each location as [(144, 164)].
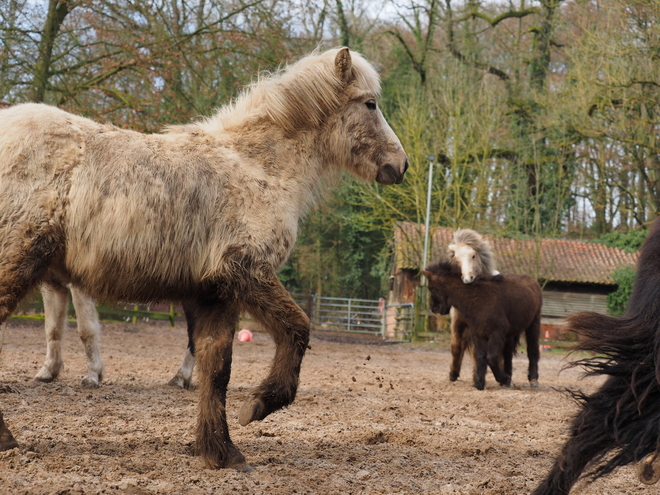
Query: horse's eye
[(474, 256), (371, 104)]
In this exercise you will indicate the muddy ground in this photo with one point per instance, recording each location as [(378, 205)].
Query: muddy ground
[(368, 419)]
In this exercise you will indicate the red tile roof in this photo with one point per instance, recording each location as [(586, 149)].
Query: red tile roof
[(559, 260)]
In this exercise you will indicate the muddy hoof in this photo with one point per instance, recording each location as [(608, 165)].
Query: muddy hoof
[(44, 376), (7, 440), (648, 471), (179, 381), (88, 383), (243, 468), (453, 377), (252, 409), (534, 383)]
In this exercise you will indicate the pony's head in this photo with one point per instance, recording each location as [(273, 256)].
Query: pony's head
[(332, 97), (472, 253), (368, 146), (437, 275)]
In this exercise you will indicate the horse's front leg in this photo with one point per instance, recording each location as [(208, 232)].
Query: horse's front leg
[(89, 330), (480, 362), (497, 348), (272, 306), (214, 333), (457, 347)]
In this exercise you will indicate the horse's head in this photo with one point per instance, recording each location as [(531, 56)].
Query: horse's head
[(468, 260), (437, 275), (369, 147)]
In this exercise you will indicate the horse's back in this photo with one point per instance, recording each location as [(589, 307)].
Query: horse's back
[(38, 141), (523, 298)]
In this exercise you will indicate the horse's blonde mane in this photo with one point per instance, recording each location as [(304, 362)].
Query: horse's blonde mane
[(297, 97), (480, 245)]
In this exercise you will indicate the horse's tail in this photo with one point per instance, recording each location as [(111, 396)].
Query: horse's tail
[(624, 414)]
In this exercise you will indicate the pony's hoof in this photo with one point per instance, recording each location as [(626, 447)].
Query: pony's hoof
[(648, 471), (534, 383), (44, 376), (243, 468), (453, 376), (179, 381), (252, 409), (7, 440), (88, 382)]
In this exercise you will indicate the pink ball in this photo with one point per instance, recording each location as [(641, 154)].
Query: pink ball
[(245, 335)]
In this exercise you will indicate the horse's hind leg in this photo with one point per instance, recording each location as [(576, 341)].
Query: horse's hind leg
[(183, 377), (532, 335), (214, 334), (272, 306), (56, 299), (7, 440), (89, 330), (24, 260)]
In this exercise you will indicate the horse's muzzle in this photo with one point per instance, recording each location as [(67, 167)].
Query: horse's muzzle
[(388, 175)]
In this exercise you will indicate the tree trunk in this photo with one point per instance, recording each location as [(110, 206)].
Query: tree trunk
[(57, 11)]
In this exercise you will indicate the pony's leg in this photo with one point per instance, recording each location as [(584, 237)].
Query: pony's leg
[(89, 330), (480, 362), (56, 300), (507, 356), (272, 306), (214, 334), (496, 349), (183, 377), (457, 346), (7, 440), (532, 335), (24, 260)]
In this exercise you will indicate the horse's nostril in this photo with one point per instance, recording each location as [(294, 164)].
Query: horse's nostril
[(405, 166)]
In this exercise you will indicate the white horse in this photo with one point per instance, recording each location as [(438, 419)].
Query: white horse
[(56, 300), (473, 254), (204, 214)]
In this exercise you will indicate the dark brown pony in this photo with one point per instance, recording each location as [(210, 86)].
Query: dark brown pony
[(497, 310), (622, 418)]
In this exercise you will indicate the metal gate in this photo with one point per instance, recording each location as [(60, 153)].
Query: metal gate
[(362, 316)]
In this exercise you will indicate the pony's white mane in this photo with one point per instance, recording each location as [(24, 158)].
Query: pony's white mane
[(480, 246), (298, 96)]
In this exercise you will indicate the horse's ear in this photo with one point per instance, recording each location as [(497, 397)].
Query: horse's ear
[(427, 274), (452, 249), (343, 64)]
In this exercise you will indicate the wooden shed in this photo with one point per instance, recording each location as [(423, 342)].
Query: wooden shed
[(575, 275)]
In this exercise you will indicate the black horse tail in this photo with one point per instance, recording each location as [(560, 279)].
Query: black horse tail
[(623, 416)]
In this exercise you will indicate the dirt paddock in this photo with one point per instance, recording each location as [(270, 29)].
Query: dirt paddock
[(368, 419)]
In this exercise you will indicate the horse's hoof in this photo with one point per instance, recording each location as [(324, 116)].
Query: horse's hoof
[(89, 383), (243, 468), (534, 383), (179, 381), (648, 471), (44, 376), (453, 377), (7, 440), (252, 409)]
